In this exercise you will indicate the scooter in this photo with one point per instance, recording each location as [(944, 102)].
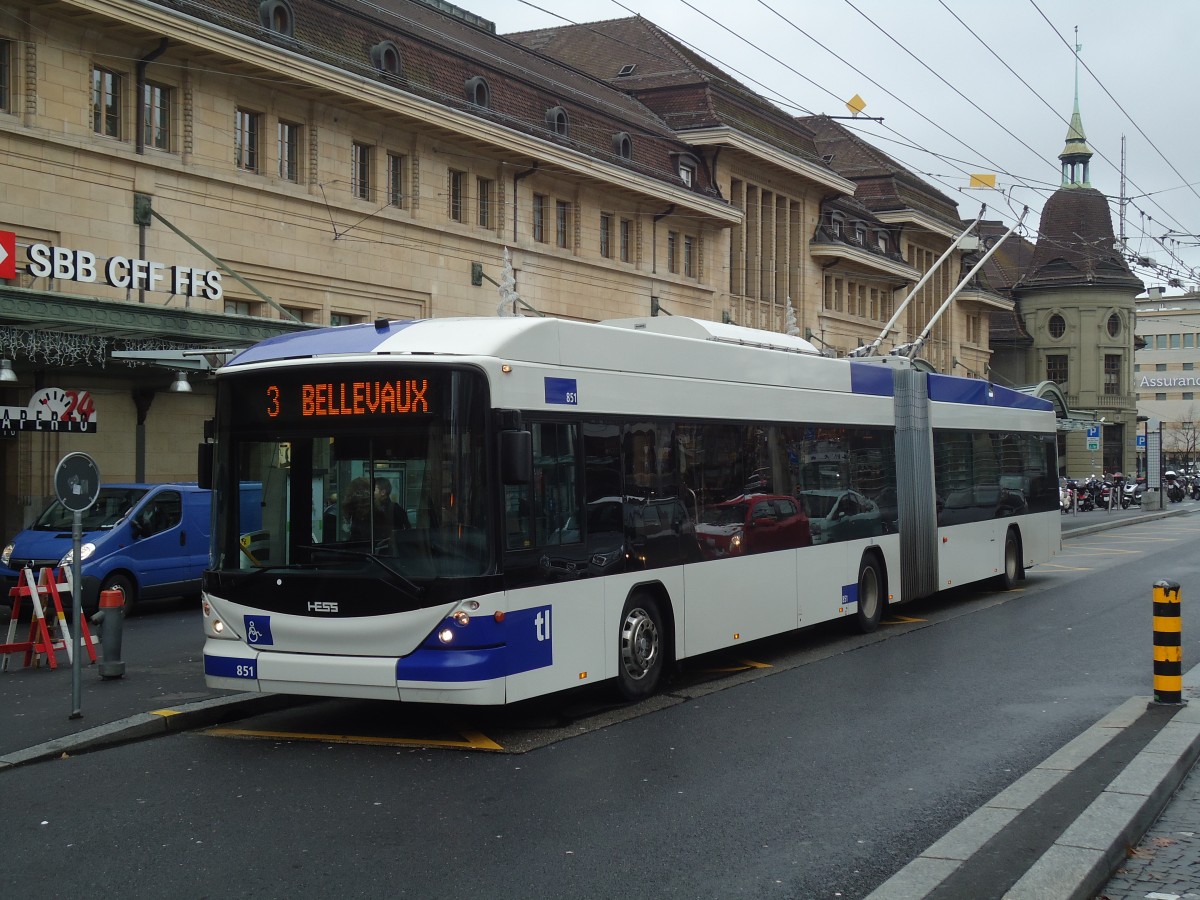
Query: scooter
[(1174, 486), (1066, 496), (1131, 494)]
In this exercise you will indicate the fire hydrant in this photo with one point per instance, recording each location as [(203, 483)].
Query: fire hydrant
[(112, 605)]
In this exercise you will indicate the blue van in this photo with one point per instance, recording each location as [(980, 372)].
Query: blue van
[(148, 540)]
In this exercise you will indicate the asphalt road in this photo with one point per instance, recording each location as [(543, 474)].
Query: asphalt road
[(818, 777)]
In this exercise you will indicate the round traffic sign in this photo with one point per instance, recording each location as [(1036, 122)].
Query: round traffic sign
[(77, 481)]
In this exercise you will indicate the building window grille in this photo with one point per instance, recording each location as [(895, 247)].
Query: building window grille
[(289, 151), (106, 102), (360, 170)]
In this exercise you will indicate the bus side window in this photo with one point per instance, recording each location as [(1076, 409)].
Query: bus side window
[(547, 510), (518, 531)]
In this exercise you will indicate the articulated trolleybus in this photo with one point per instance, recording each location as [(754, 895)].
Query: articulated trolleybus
[(479, 511)]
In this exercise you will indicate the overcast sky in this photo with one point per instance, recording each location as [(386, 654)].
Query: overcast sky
[(952, 96)]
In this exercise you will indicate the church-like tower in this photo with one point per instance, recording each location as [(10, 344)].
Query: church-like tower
[(1077, 303)]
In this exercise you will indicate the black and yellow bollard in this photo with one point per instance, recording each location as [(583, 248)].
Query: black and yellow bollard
[(1168, 644)]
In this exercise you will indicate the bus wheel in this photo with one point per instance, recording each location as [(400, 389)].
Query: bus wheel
[(640, 663), (870, 595), (1007, 579)]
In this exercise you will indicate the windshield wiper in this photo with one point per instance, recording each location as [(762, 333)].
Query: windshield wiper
[(416, 589)]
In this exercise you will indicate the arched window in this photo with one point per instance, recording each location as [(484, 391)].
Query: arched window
[(557, 121), (277, 16), (478, 92), (1058, 326), (385, 56), (623, 145)]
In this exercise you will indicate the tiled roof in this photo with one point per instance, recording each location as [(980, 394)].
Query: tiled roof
[(440, 52), (685, 89), (883, 184), (1076, 246), (1000, 274), (1005, 327)]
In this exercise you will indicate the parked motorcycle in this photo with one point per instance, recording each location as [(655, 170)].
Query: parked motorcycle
[(1173, 485), (1066, 495), (1131, 494), (1086, 495)]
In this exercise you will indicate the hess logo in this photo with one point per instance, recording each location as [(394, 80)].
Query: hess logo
[(322, 606)]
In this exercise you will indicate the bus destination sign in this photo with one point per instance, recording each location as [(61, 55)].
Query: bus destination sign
[(351, 398), (295, 398)]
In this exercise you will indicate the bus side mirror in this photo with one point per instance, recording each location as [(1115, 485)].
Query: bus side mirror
[(204, 465), (516, 457)]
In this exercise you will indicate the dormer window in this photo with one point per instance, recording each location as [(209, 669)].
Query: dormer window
[(478, 92), (881, 239), (837, 224), (686, 166), (860, 233), (623, 145), (276, 15), (385, 56), (557, 121)]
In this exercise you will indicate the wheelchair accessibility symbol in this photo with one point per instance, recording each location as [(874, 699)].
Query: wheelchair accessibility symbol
[(258, 631)]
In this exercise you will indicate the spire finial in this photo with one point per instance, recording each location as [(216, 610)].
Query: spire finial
[(1076, 153)]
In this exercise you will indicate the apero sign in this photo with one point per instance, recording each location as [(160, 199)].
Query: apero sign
[(51, 409), (45, 261)]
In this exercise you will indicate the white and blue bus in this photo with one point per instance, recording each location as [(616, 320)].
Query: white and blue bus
[(480, 511)]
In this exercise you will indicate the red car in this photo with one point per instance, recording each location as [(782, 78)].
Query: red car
[(752, 523)]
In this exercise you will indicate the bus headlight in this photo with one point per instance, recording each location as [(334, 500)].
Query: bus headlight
[(445, 635), (6, 555), (85, 550), (461, 619)]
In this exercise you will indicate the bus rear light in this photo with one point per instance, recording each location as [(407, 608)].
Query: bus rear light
[(498, 615), (445, 635)]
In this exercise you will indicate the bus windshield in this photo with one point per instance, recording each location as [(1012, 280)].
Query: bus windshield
[(325, 468)]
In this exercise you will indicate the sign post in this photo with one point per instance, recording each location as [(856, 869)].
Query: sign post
[(77, 485)]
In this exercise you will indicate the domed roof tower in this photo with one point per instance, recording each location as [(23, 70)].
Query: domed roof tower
[(1076, 301)]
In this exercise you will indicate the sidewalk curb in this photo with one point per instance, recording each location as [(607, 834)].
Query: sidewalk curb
[(1082, 859), (1105, 525), (168, 720)]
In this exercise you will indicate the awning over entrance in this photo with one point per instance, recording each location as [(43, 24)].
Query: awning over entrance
[(68, 329)]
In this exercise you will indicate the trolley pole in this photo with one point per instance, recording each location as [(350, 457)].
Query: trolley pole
[(1168, 645)]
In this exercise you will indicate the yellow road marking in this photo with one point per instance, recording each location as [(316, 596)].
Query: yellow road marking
[(1064, 568), (164, 712), (472, 740), (901, 620), (743, 665)]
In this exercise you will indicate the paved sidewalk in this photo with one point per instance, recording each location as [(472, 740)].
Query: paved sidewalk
[(1165, 865)]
